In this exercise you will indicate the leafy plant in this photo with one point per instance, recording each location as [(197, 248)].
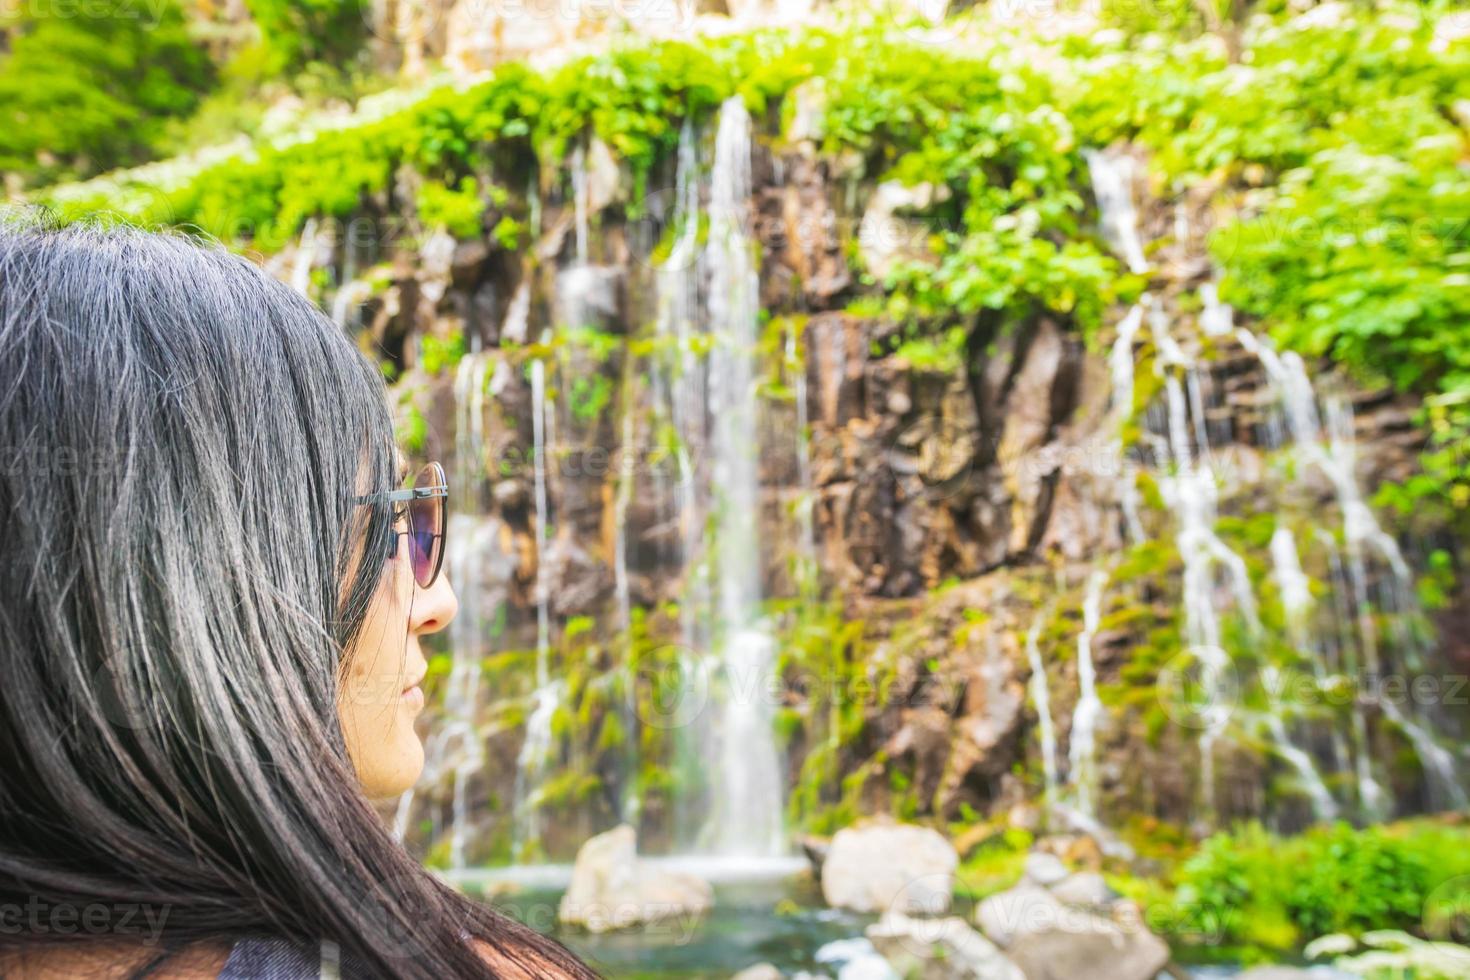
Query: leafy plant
[(88, 89)]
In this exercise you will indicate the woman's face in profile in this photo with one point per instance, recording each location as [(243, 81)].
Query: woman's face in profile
[(380, 696)]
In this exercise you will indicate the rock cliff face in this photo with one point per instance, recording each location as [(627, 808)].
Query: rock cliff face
[(945, 509)]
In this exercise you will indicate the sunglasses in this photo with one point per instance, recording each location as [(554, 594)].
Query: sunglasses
[(426, 498)]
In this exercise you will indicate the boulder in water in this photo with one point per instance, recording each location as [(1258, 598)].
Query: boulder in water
[(939, 949), (883, 867), (761, 971), (1086, 889), (1051, 940), (1045, 869), (612, 889), (1006, 915)]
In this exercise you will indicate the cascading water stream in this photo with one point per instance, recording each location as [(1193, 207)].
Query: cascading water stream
[(1112, 178), (1189, 490), (1088, 714), (1041, 697), (803, 455), (747, 806), (1296, 601), (536, 747), (1120, 362), (628, 804), (456, 746), (1335, 455)]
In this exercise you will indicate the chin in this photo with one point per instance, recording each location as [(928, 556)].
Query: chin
[(397, 768)]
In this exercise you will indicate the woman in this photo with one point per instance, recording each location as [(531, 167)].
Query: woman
[(212, 591)]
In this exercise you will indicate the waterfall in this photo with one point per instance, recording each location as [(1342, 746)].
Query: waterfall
[(1112, 179), (455, 747), (306, 250), (803, 453), (1296, 602), (1189, 491), (681, 378), (1334, 454), (349, 297), (1216, 319), (1082, 750), (628, 804), (538, 463), (747, 807), (1120, 362), (536, 746), (1041, 697), (579, 202)]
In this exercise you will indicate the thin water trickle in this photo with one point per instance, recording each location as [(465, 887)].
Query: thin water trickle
[(1041, 697), (1087, 717)]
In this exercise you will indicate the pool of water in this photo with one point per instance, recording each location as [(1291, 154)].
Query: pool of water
[(774, 917), (770, 913)]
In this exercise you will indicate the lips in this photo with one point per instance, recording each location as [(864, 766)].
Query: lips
[(414, 698)]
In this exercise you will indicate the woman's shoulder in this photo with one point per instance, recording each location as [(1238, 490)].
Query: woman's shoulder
[(273, 958)]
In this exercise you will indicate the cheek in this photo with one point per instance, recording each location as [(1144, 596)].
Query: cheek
[(377, 724), (382, 742)]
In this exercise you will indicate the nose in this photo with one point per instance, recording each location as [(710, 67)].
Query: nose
[(434, 607)]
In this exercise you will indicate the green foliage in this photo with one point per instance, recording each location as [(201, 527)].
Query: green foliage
[(84, 89), (1354, 246), (264, 198), (1267, 895), (455, 209), (297, 32), (987, 133), (441, 354), (994, 865)]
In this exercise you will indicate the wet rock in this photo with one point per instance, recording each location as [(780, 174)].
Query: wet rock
[(882, 867), (939, 949), (612, 889), (809, 100), (815, 849), (837, 349), (1050, 940), (575, 579), (855, 959), (1085, 889), (886, 237), (1003, 917), (1045, 869), (590, 296), (761, 971), (800, 231)]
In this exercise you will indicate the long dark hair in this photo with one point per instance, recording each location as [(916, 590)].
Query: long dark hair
[(182, 437)]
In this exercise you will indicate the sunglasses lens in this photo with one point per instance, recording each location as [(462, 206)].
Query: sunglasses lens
[(427, 518)]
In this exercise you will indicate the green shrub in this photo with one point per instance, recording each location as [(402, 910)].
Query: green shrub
[(298, 32), (1268, 895), (83, 90)]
